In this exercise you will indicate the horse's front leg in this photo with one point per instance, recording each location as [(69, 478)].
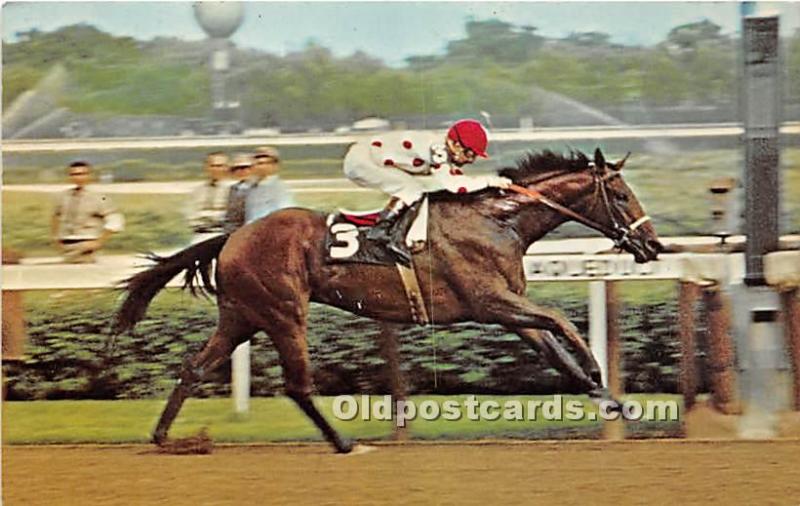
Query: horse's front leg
[(526, 319)]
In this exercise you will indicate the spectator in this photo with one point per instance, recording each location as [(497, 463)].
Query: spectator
[(237, 197), (268, 193), (83, 220), (209, 200)]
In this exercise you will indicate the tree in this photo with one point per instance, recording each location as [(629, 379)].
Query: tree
[(690, 35), (495, 40)]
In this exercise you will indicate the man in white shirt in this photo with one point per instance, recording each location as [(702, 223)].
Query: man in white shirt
[(210, 200), (83, 219)]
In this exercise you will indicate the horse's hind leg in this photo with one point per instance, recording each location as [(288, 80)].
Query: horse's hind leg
[(307, 405), (284, 321), (275, 299), (290, 341), (216, 352)]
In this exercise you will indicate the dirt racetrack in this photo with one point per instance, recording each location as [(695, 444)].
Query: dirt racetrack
[(626, 472)]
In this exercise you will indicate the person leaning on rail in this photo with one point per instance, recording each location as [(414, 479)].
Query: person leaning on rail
[(210, 199), (268, 192), (407, 165), (83, 219)]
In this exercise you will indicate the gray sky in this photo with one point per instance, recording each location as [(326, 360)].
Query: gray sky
[(389, 30)]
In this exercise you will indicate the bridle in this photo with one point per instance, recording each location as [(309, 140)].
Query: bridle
[(618, 232)]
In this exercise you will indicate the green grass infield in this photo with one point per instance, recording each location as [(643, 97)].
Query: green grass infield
[(279, 420)]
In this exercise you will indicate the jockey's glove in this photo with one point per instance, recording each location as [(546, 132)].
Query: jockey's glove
[(439, 154)]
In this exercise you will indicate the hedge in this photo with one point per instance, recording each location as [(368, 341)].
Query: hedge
[(67, 336)]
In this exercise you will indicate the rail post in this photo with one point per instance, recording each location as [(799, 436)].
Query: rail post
[(240, 378), (598, 336), (790, 300), (721, 361), (613, 430), (615, 385), (688, 294), (764, 353)]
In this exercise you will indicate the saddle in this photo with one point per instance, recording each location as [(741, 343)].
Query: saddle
[(346, 236), (346, 242)]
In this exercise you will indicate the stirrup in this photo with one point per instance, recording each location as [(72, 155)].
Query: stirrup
[(400, 254)]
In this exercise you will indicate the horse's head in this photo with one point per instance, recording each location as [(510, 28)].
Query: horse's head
[(590, 192), (620, 212)]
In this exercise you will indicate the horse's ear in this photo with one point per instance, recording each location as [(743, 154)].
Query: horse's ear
[(599, 159), (621, 163)]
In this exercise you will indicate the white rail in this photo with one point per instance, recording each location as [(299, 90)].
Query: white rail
[(544, 134)]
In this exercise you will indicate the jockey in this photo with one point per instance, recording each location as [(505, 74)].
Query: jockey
[(406, 165)]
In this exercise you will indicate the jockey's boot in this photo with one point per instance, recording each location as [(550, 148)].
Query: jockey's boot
[(384, 230)]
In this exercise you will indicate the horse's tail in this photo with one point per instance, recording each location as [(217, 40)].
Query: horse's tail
[(142, 287)]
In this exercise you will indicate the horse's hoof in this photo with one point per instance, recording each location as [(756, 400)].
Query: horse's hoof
[(598, 394), (159, 439), (344, 447), (362, 449)]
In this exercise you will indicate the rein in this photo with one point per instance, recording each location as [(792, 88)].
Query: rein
[(536, 195), (620, 234)]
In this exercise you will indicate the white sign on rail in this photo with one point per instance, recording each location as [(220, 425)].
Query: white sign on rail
[(599, 267)]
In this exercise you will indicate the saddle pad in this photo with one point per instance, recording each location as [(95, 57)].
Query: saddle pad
[(366, 219)]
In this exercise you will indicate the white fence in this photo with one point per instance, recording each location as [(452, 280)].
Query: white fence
[(560, 260)]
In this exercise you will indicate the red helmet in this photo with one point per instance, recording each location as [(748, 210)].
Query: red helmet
[(470, 134)]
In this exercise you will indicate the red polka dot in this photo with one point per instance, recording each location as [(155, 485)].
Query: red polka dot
[(377, 144), (462, 190), (407, 144), (388, 161), (418, 162), (456, 172), (436, 165)]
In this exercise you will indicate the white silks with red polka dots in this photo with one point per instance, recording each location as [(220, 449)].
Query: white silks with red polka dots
[(407, 165)]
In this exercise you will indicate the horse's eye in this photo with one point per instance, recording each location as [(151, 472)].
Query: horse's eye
[(621, 197)]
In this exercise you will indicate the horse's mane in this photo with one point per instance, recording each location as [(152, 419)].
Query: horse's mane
[(536, 164), (530, 166)]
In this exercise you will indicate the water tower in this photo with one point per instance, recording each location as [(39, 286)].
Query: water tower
[(220, 20)]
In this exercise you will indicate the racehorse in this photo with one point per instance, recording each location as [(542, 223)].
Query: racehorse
[(268, 272)]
